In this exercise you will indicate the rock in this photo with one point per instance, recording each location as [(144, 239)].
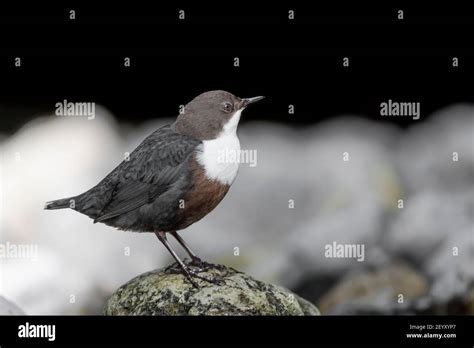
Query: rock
[(421, 231), (462, 304), (469, 301), (167, 292), (376, 292), (9, 308), (451, 268)]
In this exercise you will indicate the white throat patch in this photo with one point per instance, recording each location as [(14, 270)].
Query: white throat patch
[(213, 155)]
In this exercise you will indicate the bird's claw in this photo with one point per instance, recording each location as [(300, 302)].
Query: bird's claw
[(209, 280)]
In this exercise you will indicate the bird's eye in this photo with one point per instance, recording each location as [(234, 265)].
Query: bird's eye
[(227, 107)]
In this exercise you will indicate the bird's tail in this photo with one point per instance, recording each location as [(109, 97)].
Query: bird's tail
[(59, 204)]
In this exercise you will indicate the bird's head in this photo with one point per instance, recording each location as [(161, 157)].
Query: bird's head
[(212, 113)]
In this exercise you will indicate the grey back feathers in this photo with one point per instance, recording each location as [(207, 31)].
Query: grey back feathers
[(154, 166)]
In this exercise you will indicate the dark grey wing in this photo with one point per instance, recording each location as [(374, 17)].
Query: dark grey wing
[(158, 162)]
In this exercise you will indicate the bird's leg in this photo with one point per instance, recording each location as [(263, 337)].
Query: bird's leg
[(187, 272), (195, 259), (162, 237)]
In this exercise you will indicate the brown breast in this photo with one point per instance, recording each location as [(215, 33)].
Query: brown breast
[(203, 197)]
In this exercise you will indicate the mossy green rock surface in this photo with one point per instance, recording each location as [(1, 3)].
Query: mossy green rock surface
[(168, 292)]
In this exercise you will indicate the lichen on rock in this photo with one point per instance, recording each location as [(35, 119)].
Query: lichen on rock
[(167, 292)]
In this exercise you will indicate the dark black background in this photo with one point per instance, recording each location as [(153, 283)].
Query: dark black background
[(291, 62)]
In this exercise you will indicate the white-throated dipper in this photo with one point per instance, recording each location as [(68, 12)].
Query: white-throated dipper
[(174, 178)]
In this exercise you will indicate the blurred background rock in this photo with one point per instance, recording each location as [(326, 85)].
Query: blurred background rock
[(409, 251)]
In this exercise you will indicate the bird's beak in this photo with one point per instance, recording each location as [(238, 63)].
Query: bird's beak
[(247, 101)]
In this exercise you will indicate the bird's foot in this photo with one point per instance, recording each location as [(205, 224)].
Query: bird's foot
[(190, 273), (200, 264), (192, 270), (213, 280)]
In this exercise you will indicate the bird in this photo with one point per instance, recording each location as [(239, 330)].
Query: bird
[(175, 177)]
